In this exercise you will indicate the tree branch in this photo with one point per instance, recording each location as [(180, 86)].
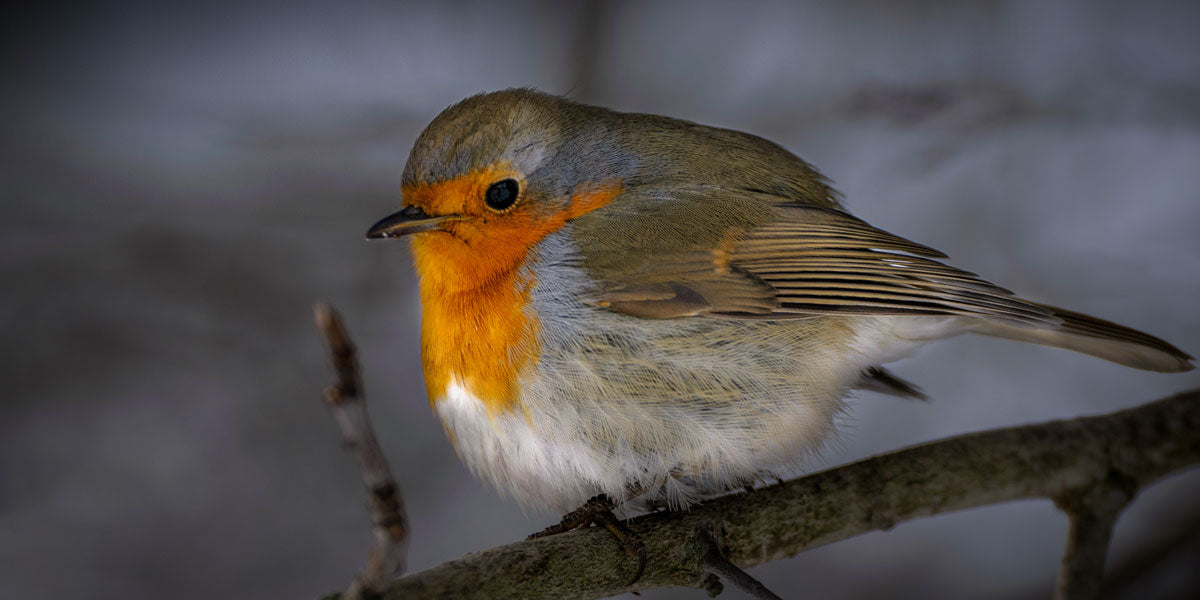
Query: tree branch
[(1092, 514), (346, 399), (1078, 463), (717, 565)]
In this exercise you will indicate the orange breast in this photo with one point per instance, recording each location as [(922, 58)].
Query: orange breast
[(476, 322)]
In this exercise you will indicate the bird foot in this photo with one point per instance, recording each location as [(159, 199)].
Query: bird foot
[(599, 511)]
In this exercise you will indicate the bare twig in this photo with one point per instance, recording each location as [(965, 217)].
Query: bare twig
[(387, 556), (1051, 460), (1092, 514), (715, 563)]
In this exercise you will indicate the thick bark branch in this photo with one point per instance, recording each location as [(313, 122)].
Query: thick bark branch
[(1074, 462)]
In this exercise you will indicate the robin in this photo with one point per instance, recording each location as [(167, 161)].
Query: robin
[(624, 305)]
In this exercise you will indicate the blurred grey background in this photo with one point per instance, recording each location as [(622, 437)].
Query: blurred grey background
[(181, 183)]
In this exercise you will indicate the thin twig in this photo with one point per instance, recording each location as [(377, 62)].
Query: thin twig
[(715, 563), (1092, 513), (387, 556), (1049, 460)]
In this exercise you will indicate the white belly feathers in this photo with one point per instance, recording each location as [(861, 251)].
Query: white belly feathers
[(675, 408)]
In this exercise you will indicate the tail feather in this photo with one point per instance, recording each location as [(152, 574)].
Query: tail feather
[(1097, 337), (879, 379)]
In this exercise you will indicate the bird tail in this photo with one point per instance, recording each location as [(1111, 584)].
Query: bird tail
[(883, 381), (1097, 337)]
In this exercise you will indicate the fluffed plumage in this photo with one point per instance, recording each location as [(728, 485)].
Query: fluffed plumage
[(668, 309)]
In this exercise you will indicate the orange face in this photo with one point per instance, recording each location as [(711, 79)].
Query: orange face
[(477, 327)]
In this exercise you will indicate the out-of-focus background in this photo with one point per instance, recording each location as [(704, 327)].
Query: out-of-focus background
[(181, 183)]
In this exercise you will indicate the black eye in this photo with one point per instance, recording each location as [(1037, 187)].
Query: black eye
[(502, 194)]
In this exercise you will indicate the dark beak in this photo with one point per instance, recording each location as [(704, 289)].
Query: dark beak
[(410, 220)]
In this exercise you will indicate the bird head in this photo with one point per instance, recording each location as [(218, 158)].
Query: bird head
[(488, 179)]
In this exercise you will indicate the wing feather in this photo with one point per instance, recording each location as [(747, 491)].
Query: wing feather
[(821, 260), (802, 261)]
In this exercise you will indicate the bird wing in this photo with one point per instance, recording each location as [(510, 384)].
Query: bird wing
[(823, 260), (797, 261)]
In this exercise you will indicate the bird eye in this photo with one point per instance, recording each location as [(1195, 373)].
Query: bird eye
[(502, 194)]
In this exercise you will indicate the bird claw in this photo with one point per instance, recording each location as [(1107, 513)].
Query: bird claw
[(598, 511), (591, 512)]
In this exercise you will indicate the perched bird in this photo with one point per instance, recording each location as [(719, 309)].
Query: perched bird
[(634, 305)]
